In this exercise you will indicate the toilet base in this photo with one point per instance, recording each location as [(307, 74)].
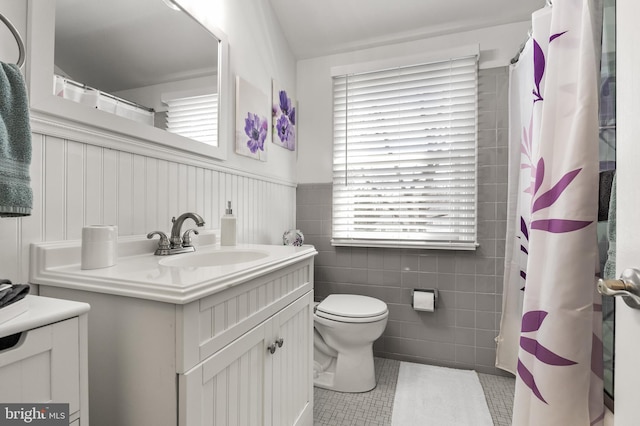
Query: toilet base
[(352, 373), (323, 380)]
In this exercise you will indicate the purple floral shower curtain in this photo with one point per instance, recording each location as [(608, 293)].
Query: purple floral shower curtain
[(559, 360), (521, 145)]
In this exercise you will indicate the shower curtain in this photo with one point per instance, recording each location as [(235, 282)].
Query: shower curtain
[(552, 259), (521, 143)]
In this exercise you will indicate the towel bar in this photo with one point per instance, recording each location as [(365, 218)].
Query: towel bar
[(16, 34)]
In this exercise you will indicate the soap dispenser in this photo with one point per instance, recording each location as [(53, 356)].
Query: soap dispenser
[(228, 227)]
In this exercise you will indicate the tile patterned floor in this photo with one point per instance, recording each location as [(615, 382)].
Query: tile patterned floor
[(498, 391), (359, 409), (374, 408)]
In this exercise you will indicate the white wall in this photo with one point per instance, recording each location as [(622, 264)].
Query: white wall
[(76, 183), (497, 46), (259, 53)]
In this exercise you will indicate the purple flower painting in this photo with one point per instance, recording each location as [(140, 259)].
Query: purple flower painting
[(284, 119), (252, 121), (286, 132)]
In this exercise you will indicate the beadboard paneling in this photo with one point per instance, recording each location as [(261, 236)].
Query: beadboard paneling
[(93, 162), (54, 187), (77, 184), (74, 184)]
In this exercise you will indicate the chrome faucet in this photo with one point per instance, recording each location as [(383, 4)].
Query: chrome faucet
[(176, 229), (177, 244)]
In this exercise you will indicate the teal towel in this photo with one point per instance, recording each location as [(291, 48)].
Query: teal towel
[(610, 265), (16, 197)]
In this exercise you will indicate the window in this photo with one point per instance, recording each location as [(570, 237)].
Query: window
[(194, 117), (404, 162)]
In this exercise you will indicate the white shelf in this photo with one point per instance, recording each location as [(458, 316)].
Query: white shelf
[(42, 311)]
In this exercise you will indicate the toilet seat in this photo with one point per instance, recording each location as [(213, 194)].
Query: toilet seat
[(351, 308), (338, 318)]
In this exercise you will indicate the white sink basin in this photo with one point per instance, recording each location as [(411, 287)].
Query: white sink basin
[(215, 258)]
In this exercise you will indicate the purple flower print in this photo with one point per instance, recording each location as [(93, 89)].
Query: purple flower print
[(526, 149), (286, 131), (285, 103), (539, 65), (286, 107), (538, 68), (524, 230), (547, 199), (531, 322), (292, 116), (256, 129), (284, 121), (555, 36)]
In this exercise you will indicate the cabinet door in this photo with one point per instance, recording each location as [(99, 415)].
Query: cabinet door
[(292, 381), (43, 367), (227, 389)]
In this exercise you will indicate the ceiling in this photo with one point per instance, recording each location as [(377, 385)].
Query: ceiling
[(138, 36), (316, 28)]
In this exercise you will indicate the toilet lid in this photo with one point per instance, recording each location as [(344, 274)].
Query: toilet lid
[(352, 306)]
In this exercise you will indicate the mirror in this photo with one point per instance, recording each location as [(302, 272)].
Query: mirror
[(141, 68)]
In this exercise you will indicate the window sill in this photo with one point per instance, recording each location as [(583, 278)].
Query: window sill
[(420, 245)]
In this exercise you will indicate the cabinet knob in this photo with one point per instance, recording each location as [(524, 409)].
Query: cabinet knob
[(272, 348)]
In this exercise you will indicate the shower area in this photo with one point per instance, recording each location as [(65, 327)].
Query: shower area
[(543, 243)]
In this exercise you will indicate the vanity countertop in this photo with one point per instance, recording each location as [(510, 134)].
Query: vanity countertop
[(139, 273)]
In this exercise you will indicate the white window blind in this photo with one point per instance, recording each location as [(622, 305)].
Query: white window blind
[(404, 163), (194, 117)]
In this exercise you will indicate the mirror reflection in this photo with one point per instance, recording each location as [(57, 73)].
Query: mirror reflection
[(142, 60)]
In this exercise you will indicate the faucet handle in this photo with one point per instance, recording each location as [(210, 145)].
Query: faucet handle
[(163, 244), (186, 238)]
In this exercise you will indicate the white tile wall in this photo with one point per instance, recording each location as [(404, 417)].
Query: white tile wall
[(77, 184)]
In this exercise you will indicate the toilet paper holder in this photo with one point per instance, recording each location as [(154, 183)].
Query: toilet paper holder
[(422, 290)]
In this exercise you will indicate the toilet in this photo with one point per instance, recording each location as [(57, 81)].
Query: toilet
[(345, 327)]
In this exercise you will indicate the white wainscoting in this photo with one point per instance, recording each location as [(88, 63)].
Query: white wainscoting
[(77, 184)]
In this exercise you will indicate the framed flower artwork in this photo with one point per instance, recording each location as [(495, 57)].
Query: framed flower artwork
[(284, 114), (252, 120)]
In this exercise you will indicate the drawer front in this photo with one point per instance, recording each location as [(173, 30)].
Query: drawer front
[(43, 366), (213, 322)]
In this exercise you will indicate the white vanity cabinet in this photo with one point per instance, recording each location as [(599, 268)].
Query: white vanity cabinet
[(48, 362), (204, 361), (246, 384)]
